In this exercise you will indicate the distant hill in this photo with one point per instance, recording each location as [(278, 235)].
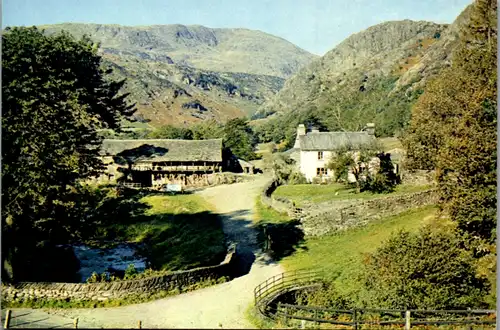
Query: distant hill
[(222, 50), (180, 74), (372, 76)]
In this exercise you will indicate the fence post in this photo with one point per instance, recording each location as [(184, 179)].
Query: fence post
[(139, 325), (355, 318), (266, 247), (407, 320), (302, 324), (7, 319), (75, 323), (469, 327)]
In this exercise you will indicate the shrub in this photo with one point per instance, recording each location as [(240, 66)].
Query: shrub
[(99, 278), (284, 169), (426, 270), (130, 272)]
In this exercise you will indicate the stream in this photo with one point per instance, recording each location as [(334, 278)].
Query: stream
[(100, 260)]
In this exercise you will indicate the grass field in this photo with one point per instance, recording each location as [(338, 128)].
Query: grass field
[(179, 232), (265, 214), (312, 193), (340, 256)]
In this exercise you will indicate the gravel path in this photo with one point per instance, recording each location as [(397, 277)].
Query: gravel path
[(220, 306)]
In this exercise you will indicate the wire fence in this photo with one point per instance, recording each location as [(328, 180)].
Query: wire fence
[(267, 293), (359, 318), (37, 319)]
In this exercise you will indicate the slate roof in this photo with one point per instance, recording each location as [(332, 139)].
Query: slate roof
[(166, 149), (244, 163), (329, 141)]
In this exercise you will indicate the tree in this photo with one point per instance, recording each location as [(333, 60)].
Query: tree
[(239, 138), (384, 180), (284, 169), (206, 130), (453, 127), (360, 162), (171, 132), (425, 270), (55, 98)]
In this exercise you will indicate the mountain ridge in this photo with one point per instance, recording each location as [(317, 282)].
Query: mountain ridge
[(374, 75), (214, 49), (177, 74)]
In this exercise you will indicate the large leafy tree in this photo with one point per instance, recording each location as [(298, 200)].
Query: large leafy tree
[(56, 95), (239, 138), (453, 127)]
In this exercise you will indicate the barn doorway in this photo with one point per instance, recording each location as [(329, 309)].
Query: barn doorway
[(142, 177)]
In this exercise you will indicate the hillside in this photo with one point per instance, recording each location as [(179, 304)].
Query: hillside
[(222, 50), (166, 93), (180, 74), (372, 76)]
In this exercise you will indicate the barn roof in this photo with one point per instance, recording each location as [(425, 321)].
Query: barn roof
[(244, 163), (159, 150), (333, 140)]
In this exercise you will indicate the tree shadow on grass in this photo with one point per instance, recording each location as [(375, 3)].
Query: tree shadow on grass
[(182, 241), (168, 241), (278, 240), (281, 239), (124, 208)]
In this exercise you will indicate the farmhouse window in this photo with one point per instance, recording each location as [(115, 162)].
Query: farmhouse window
[(320, 155), (320, 171)]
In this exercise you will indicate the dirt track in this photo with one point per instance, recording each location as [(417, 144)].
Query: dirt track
[(220, 306)]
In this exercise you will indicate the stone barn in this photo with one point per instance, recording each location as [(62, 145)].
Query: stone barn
[(152, 163)]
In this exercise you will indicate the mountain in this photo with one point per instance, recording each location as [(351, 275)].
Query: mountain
[(372, 76), (179, 74)]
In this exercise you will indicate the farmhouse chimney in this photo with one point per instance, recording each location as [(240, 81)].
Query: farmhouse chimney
[(314, 129), (370, 129), (301, 131)]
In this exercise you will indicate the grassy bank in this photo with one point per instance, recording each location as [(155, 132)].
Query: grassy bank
[(266, 214), (179, 232), (312, 193), (277, 231), (340, 256)]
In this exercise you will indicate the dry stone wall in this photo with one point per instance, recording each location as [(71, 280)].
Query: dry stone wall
[(281, 205), (419, 177), (120, 289), (340, 216)]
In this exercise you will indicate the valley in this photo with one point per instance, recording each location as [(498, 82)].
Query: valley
[(184, 176)]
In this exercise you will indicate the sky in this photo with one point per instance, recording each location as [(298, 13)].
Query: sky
[(314, 25)]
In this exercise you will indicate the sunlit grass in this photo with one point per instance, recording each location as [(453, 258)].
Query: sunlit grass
[(179, 232), (340, 256), (312, 193)]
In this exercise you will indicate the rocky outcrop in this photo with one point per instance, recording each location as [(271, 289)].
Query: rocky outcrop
[(371, 53)]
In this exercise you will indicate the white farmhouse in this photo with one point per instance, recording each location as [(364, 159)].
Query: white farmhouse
[(313, 150)]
